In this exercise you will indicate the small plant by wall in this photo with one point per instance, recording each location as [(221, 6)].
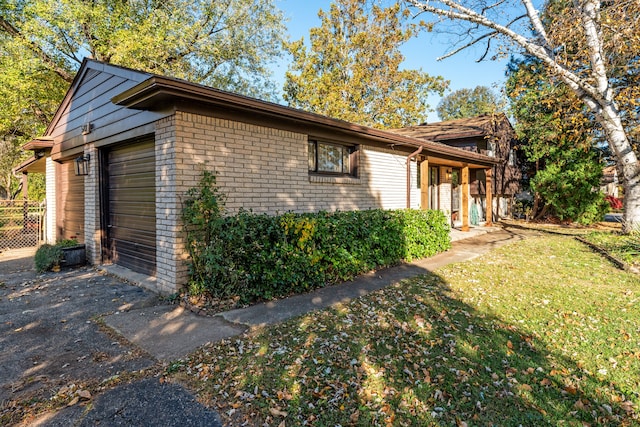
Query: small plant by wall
[(47, 257), (259, 257)]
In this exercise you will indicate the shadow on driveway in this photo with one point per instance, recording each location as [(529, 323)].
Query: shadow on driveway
[(54, 349)]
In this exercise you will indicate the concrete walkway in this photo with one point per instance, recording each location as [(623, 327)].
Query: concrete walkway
[(169, 332)]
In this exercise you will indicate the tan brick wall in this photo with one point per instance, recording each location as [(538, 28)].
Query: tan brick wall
[(261, 169), (171, 268), (91, 207), (266, 169), (50, 220)]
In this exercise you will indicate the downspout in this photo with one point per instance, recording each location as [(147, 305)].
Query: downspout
[(415, 153)]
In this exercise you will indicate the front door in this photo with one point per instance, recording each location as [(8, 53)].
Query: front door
[(433, 188), (455, 196)]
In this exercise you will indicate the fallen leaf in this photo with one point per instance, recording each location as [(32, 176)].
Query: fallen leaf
[(354, 417), (85, 394), (73, 401), (545, 382), (627, 406), (277, 412)]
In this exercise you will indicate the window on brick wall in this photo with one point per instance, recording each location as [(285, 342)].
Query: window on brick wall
[(328, 158)]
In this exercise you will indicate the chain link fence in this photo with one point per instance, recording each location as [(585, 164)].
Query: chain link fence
[(21, 223)]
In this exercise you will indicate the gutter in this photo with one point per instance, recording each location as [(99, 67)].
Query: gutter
[(158, 91), (415, 153)]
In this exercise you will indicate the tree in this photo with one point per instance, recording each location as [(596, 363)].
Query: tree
[(351, 70), (563, 161), (227, 44), (589, 50), (468, 103)]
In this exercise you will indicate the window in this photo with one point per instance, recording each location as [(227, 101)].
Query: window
[(491, 149), (512, 157), (330, 158)]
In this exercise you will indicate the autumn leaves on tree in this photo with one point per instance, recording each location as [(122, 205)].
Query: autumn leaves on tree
[(351, 67)]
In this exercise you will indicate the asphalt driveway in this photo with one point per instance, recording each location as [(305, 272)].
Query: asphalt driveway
[(55, 350)]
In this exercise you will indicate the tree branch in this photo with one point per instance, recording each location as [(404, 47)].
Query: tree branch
[(459, 12), (13, 32)]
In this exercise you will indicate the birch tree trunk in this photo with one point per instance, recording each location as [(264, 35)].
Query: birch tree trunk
[(593, 86)]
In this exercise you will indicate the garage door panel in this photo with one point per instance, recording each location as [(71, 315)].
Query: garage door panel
[(132, 208), (141, 198), (124, 212), (142, 236), (124, 169)]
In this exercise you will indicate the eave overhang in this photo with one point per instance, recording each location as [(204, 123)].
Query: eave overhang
[(43, 143), (159, 92), (35, 164)]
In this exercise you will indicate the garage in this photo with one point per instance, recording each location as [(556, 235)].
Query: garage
[(70, 204), (131, 217)]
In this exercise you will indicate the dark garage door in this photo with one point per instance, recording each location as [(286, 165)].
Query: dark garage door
[(131, 227)]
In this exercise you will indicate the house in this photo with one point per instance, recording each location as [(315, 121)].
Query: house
[(491, 135), (125, 146), (610, 182)]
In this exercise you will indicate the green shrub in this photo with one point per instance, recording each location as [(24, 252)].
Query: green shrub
[(67, 243), (259, 256), (47, 256)]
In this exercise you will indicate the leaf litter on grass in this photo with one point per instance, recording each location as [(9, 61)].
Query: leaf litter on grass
[(542, 332)]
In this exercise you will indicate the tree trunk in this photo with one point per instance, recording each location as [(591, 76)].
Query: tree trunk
[(631, 184), (609, 118)]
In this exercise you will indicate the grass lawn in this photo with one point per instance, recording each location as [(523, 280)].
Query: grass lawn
[(541, 332), (625, 248)]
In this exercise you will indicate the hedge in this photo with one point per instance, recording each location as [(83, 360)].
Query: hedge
[(260, 257)]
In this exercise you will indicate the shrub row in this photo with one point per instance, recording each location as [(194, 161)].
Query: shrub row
[(258, 256)]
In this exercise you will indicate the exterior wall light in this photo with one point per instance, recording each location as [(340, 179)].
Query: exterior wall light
[(81, 165)]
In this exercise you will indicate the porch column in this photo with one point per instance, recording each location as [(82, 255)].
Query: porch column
[(465, 198), (424, 185), (489, 197)]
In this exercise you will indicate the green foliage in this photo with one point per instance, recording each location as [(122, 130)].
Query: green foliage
[(563, 157), (257, 256), (465, 103), (569, 185), (67, 243), (48, 256), (351, 70), (229, 45)]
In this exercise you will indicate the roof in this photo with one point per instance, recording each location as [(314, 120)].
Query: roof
[(150, 92), (34, 164), (472, 127), (43, 143), (158, 91)]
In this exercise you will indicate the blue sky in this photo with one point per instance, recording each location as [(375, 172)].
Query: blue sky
[(461, 69)]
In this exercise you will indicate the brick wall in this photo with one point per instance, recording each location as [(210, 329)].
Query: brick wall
[(171, 178), (258, 168), (50, 179), (91, 204)]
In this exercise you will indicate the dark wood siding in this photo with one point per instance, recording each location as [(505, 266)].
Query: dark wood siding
[(131, 227), (90, 102), (70, 203)]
